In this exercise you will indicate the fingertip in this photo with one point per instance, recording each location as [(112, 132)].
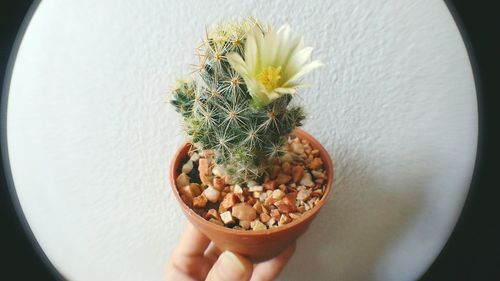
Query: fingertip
[(234, 266), (231, 266)]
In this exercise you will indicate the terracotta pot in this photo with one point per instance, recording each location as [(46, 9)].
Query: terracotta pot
[(256, 245)]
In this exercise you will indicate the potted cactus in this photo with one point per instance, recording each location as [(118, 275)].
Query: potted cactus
[(248, 177)]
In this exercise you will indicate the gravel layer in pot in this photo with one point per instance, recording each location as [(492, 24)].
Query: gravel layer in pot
[(292, 186)]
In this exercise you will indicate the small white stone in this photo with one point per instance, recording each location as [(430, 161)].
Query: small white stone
[(278, 194), (212, 194), (298, 148), (252, 223), (226, 217), (303, 194), (271, 222), (252, 184), (312, 202), (307, 207), (194, 157), (262, 196), (182, 180), (318, 174), (284, 219), (237, 189), (187, 167), (257, 225), (255, 188), (307, 180), (218, 171)]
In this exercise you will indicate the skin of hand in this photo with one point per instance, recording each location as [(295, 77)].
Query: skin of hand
[(196, 259)]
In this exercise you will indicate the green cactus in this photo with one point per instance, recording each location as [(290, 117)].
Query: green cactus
[(219, 114)]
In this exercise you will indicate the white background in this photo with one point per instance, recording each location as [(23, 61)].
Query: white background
[(90, 133)]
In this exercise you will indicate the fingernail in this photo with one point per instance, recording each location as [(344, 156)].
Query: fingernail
[(231, 268)]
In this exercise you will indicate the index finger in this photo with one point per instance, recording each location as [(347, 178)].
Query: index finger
[(269, 270), (192, 242)]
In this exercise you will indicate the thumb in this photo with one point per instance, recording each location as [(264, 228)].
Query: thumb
[(230, 267)]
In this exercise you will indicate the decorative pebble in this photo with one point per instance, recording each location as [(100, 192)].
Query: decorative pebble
[(243, 211), (307, 180), (212, 194)]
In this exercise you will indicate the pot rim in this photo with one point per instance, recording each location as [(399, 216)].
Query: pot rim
[(329, 185)]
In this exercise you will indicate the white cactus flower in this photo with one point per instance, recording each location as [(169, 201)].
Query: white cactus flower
[(273, 63)]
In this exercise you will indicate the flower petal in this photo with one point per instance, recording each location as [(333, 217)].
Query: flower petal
[(270, 48), (295, 45), (297, 61), (300, 58), (237, 62), (306, 69), (273, 95), (285, 44), (284, 91), (251, 50), (258, 93), (284, 31), (259, 39)]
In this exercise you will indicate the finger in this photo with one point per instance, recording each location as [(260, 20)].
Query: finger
[(231, 267), (269, 270), (192, 243), (187, 260), (212, 253), (172, 273)]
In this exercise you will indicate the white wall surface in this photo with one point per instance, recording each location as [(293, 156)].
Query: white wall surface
[(90, 134)]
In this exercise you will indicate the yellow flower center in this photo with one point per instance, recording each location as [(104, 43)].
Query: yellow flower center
[(269, 77)]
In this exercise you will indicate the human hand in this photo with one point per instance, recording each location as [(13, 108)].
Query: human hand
[(195, 258)]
